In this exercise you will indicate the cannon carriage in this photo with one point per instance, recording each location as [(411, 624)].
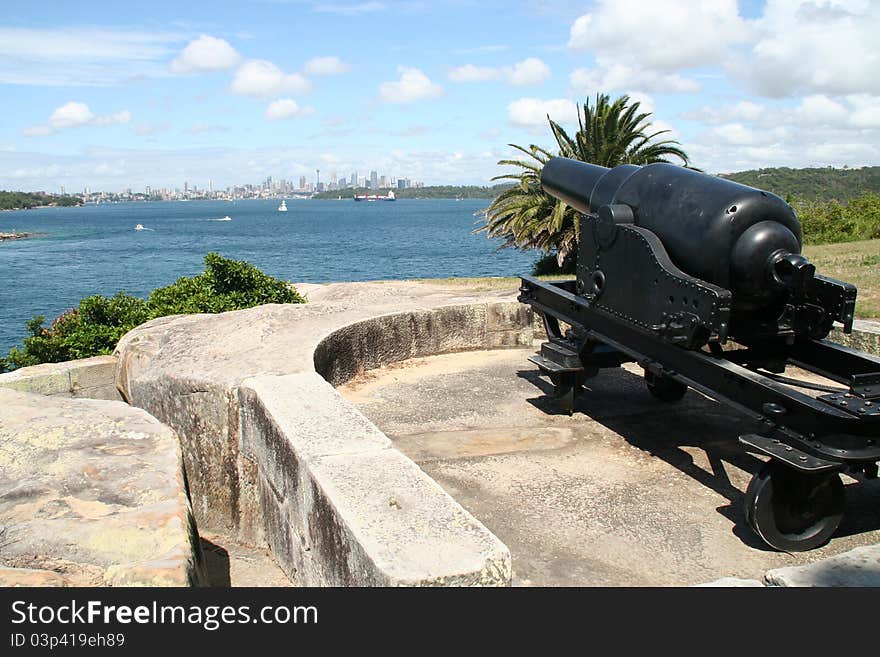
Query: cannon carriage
[(701, 281)]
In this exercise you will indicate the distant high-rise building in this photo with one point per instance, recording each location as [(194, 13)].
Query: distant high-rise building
[(185, 187), (401, 183), (210, 185), (362, 181), (302, 182), (317, 178), (383, 182), (354, 179), (374, 180)]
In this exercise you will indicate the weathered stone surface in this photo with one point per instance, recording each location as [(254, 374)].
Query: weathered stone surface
[(342, 508), (858, 567), (185, 370), (375, 518), (91, 378), (865, 336), (15, 577), (96, 489), (731, 582)]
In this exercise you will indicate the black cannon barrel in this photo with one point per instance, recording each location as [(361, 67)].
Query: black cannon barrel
[(715, 229)]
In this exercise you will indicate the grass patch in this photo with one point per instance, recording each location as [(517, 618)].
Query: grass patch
[(854, 262)]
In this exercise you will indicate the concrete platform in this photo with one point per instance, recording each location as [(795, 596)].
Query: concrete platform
[(628, 491)]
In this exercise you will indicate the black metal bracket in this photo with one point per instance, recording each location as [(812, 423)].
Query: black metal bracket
[(792, 456), (866, 385)]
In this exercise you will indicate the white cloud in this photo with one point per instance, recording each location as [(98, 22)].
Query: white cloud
[(74, 115), (619, 77), (326, 66), (413, 85), (352, 9), (812, 47), (260, 78), (865, 110), (205, 54), (529, 112), (530, 71), (83, 56), (663, 35), (285, 108), (812, 111), (817, 130), (471, 73), (71, 115), (644, 45), (741, 110)]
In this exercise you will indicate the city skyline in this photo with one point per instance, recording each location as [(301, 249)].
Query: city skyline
[(107, 95), (271, 187)]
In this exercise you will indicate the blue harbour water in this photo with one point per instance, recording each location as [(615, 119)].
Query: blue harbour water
[(95, 249)]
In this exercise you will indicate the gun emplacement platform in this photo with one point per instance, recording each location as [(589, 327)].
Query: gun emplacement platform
[(700, 280)]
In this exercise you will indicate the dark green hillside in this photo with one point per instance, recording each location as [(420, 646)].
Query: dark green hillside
[(812, 184), (24, 200)]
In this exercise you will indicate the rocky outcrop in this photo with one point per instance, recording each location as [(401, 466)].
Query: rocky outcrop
[(91, 493)]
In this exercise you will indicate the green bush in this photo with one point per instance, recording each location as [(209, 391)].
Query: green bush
[(99, 322), (549, 264), (827, 222)]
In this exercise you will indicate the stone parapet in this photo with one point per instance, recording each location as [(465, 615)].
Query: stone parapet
[(274, 455), (343, 508), (90, 378)]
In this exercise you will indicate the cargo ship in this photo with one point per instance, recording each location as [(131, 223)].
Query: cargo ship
[(375, 197)]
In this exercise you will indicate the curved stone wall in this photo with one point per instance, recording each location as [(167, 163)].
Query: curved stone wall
[(378, 341)]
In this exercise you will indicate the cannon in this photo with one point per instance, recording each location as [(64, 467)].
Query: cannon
[(701, 281)]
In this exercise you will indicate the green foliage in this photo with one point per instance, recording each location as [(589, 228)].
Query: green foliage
[(25, 200), (827, 222), (99, 322), (609, 134), (548, 265), (812, 183)]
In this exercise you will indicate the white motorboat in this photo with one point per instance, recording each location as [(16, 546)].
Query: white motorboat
[(283, 206)]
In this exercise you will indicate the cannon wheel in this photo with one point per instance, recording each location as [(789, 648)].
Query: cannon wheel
[(794, 511), (664, 388)]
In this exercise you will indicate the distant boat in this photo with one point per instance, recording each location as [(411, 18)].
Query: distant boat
[(226, 218), (283, 206), (139, 227), (376, 197)]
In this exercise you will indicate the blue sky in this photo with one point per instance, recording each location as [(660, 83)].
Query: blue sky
[(115, 95)]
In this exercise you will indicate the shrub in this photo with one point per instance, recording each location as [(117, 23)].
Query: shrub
[(96, 326), (827, 222), (549, 264)]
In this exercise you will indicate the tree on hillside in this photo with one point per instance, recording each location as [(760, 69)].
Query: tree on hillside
[(609, 134)]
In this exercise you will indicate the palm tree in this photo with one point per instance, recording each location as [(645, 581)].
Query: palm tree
[(609, 134)]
